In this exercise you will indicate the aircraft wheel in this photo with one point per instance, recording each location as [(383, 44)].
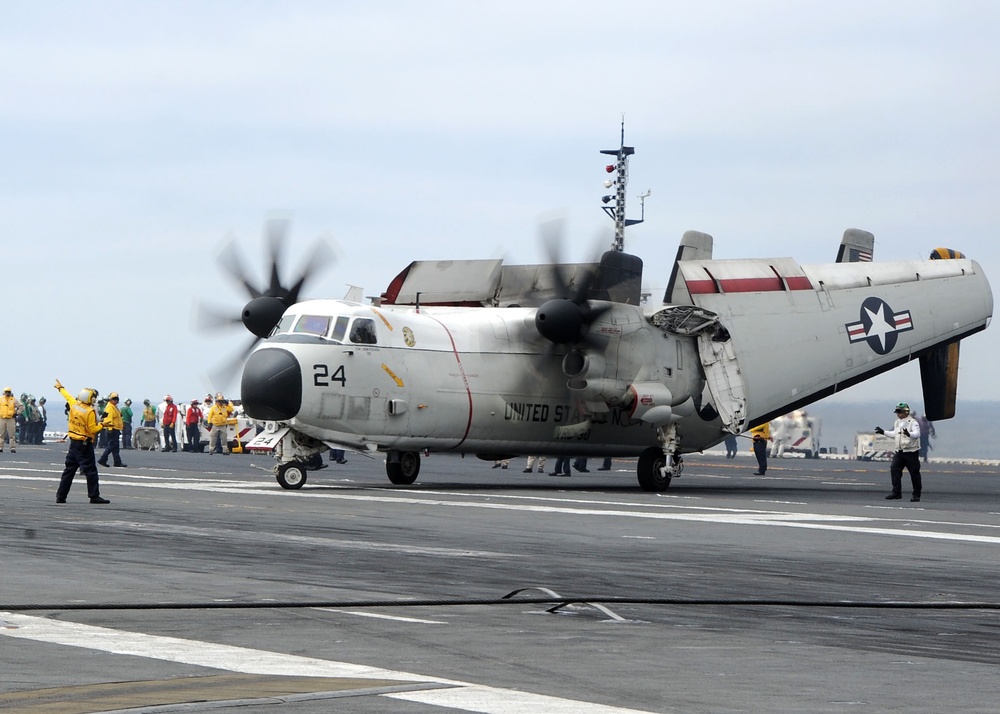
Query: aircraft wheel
[(404, 472), (291, 475), (650, 462)]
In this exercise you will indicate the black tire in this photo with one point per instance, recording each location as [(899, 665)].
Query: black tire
[(650, 462), (291, 475), (404, 472)]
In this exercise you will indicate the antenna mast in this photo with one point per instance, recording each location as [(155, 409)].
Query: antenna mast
[(617, 211)]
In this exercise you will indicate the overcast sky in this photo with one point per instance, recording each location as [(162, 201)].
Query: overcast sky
[(137, 135)]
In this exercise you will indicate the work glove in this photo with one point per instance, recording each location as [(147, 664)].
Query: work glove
[(906, 432), (879, 430)]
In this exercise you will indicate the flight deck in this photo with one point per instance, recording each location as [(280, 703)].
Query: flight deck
[(204, 584)]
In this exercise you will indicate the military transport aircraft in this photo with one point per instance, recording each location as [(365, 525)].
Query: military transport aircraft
[(494, 360)]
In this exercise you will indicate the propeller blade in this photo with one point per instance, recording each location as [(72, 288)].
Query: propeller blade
[(586, 281), (224, 374), (551, 234), (590, 311), (231, 263), (322, 255), (276, 230), (209, 318)]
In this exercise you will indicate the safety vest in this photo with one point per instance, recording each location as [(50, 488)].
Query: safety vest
[(148, 414), (8, 407), (904, 442), (82, 422), (218, 415), (112, 417)]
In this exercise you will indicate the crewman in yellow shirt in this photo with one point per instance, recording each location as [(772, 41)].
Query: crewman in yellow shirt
[(83, 427), (218, 419), (9, 407), (113, 426), (761, 435)]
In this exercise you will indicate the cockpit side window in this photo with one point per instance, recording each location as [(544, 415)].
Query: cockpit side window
[(363, 332), (313, 325), (340, 328), (283, 324)]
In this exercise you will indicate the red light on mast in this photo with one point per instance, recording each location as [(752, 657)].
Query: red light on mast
[(610, 168)]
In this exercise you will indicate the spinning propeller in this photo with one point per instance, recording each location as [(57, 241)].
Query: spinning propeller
[(566, 319), (266, 304)]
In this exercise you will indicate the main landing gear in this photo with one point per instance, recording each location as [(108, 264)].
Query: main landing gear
[(402, 467), (654, 473), (659, 465)]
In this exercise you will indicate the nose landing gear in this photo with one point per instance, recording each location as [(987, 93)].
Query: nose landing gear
[(291, 475)]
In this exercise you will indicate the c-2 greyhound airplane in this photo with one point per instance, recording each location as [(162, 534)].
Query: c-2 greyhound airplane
[(481, 358)]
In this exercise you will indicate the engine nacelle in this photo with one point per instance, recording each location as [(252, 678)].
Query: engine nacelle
[(588, 380), (650, 402), (580, 365)]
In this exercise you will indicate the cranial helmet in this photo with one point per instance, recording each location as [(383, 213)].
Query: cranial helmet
[(902, 407), (113, 395), (168, 398), (219, 397), (86, 395)]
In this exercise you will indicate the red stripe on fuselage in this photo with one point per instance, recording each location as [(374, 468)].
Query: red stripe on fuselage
[(465, 379)]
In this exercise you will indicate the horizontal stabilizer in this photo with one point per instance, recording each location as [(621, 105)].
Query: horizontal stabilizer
[(939, 378), (857, 246)]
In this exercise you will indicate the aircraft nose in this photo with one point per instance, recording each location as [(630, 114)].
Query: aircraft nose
[(272, 385)]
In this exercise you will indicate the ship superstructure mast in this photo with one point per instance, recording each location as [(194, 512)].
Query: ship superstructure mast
[(617, 210)]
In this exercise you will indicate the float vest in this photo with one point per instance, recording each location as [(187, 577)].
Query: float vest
[(82, 422)]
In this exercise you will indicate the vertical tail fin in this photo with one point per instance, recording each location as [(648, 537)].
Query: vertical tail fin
[(857, 246), (694, 246)]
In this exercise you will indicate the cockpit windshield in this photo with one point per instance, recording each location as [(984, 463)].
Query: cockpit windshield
[(338, 328), (313, 325), (284, 324)]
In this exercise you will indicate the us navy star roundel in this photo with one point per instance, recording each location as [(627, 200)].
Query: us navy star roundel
[(879, 325)]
